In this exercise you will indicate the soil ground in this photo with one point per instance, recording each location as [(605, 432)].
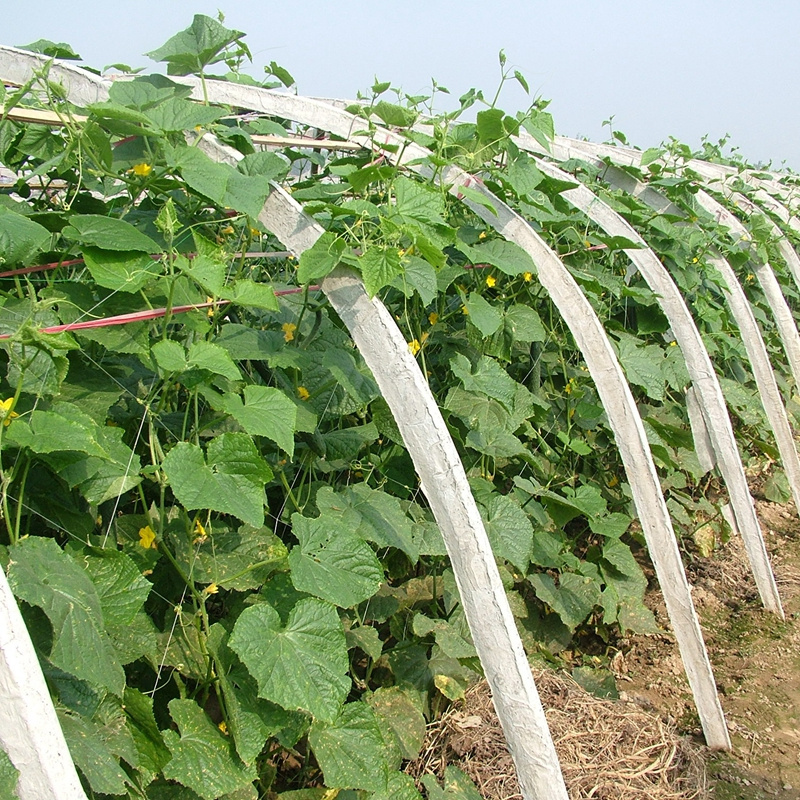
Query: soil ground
[(756, 661)]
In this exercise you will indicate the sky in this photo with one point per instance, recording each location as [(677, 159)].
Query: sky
[(660, 68)]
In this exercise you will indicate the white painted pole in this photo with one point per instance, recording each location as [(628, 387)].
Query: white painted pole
[(29, 729)]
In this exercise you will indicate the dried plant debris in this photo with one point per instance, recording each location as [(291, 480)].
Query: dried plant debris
[(608, 749)]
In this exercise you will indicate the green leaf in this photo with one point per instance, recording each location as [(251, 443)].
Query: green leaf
[(63, 428), (265, 411), (300, 666), (268, 165), (418, 203), (208, 270), (43, 575), (251, 720), (508, 257), (169, 355), (573, 599), (490, 125), (420, 276), (333, 563), (366, 638), (126, 271), (245, 292), (53, 49), (202, 43), (452, 636), (371, 514), (643, 365), (350, 749), (203, 758), (20, 239), (108, 233), (150, 747), (524, 324), (400, 787), (179, 114), (92, 755), (213, 358), (510, 531), (222, 183), (8, 777), (242, 559), (482, 315), (394, 115), (457, 786), (400, 717), (379, 267), (232, 484), (486, 377), (120, 586), (320, 258)]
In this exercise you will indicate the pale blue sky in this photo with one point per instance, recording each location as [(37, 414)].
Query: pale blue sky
[(663, 68)]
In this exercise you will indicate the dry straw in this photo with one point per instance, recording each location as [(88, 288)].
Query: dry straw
[(609, 749)]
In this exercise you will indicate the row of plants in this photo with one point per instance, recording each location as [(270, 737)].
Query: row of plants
[(216, 535)]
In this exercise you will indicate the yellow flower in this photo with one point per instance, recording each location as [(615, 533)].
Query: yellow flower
[(587, 243), (5, 411), (401, 253), (433, 318), (254, 232), (750, 278), (613, 481), (491, 281), (465, 311), (288, 329), (141, 170), (527, 277), (694, 261), (673, 344), (223, 727), (227, 230), (212, 588), (303, 393), (147, 537), (200, 534), (482, 235), (414, 346)]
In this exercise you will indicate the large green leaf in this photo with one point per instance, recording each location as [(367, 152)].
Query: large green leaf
[(573, 599), (108, 233), (509, 529), (152, 751), (351, 749), (320, 258), (212, 357), (43, 575), (201, 44), (222, 183), (379, 267), (300, 666), (232, 482), (203, 758), (120, 586), (371, 514), (265, 411), (93, 756), (331, 562), (508, 257), (20, 239), (238, 559), (251, 719), (484, 316), (400, 716), (126, 271)]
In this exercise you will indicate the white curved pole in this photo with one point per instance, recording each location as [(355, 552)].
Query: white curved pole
[(701, 370), (591, 338), (29, 730)]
